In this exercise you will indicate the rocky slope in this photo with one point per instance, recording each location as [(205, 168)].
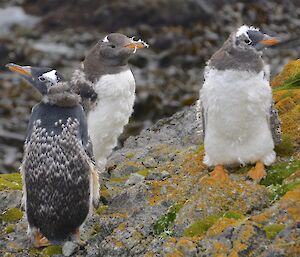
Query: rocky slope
[(158, 199)]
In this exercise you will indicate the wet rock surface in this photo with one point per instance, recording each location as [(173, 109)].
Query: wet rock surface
[(182, 35), (174, 208)]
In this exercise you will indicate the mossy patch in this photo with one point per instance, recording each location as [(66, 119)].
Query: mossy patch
[(278, 172), (9, 229), (129, 155), (11, 215), (101, 209), (51, 250), (277, 191), (11, 181), (233, 215), (143, 172), (200, 149), (286, 147), (273, 229), (96, 229), (201, 226), (166, 222)]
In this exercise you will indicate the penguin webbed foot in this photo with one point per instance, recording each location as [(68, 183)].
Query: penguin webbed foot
[(219, 174), (258, 172), (38, 240)]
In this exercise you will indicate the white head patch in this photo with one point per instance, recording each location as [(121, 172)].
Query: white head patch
[(105, 40), (51, 75), (243, 30)]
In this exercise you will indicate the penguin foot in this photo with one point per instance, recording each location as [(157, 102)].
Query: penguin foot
[(39, 240), (77, 238), (258, 172), (219, 173)]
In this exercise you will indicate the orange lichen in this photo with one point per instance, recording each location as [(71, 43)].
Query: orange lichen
[(220, 226), (175, 253), (220, 249)]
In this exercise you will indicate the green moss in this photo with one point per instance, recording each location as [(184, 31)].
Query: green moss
[(11, 215), (96, 229), (166, 222), (200, 149), (273, 229), (286, 148), (9, 228), (277, 191), (51, 250), (34, 252), (144, 172), (101, 209), (233, 215), (129, 155), (118, 179), (11, 181), (201, 226), (278, 172)]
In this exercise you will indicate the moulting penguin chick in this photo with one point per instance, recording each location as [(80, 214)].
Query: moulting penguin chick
[(241, 124), (107, 87), (59, 177)]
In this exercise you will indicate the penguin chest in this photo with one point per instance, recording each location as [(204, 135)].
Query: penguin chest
[(236, 106), (116, 95)]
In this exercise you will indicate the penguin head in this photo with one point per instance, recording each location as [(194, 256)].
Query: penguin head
[(41, 78), (250, 38), (112, 51)]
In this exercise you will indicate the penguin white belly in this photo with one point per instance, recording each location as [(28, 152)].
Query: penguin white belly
[(237, 106), (116, 95)]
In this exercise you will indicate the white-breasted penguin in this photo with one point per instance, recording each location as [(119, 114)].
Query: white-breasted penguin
[(107, 87), (59, 177), (241, 124)]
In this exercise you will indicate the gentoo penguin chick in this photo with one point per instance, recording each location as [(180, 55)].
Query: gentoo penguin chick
[(59, 179), (107, 87), (240, 122)]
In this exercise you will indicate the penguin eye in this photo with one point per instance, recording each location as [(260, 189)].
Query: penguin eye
[(248, 41), (113, 46), (41, 78)]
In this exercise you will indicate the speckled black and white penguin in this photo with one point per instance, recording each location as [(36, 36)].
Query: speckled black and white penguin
[(59, 177)]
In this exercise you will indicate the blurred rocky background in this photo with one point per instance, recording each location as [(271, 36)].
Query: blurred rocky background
[(182, 37)]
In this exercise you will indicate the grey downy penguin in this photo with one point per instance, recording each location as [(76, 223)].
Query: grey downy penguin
[(241, 124)]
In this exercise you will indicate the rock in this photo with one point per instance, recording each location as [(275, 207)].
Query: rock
[(134, 179), (69, 248)]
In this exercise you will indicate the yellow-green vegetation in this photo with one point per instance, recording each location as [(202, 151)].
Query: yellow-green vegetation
[(129, 155), (165, 223), (278, 172), (101, 209), (286, 147), (144, 172), (273, 229), (289, 77), (51, 250), (9, 228), (11, 215), (233, 215), (201, 226), (277, 191), (96, 229), (11, 181)]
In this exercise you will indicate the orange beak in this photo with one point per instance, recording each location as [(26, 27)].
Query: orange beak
[(137, 44), (269, 41), (23, 70)]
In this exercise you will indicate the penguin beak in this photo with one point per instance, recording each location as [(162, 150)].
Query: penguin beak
[(22, 70), (136, 44), (269, 41)]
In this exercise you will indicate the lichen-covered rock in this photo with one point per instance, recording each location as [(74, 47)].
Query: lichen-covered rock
[(158, 199)]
